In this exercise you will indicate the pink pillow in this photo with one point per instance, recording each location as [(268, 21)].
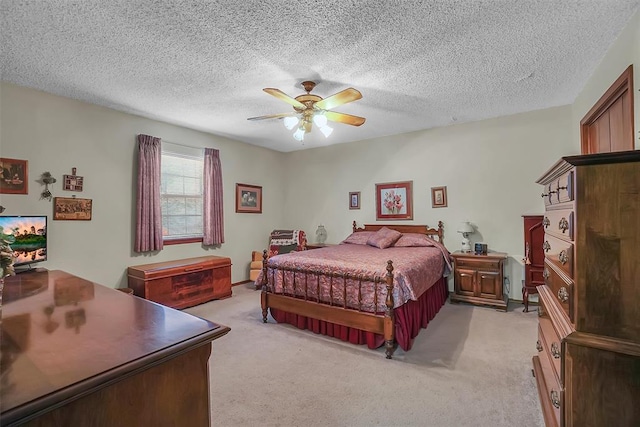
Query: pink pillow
[(384, 238), (359, 237), (413, 239)]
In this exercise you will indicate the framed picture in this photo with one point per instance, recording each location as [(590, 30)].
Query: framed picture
[(14, 179), (248, 198), (354, 200), (439, 197), (71, 208), (394, 200)]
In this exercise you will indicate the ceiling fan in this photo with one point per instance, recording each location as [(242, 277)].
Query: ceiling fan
[(312, 109)]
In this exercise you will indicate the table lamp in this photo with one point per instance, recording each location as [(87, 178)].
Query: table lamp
[(465, 229)]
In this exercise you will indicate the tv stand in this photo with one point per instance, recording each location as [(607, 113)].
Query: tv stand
[(30, 269)]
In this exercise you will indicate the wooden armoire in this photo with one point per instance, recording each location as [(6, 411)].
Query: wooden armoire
[(533, 257), (588, 363)]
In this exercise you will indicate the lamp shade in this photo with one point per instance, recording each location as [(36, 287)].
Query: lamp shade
[(465, 227), (290, 122)]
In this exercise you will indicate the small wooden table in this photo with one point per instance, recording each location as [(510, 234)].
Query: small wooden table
[(478, 279), (80, 354)]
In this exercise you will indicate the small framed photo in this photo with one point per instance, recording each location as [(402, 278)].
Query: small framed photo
[(14, 179), (394, 200), (72, 209), (439, 197), (248, 198), (354, 200)]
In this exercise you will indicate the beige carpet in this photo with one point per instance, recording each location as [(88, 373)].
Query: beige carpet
[(470, 367)]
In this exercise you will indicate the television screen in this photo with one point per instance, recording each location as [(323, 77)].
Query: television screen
[(30, 233)]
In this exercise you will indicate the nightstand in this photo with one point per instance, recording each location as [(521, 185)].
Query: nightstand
[(478, 279), (319, 245)]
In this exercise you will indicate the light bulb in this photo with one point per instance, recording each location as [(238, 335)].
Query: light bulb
[(290, 122), (299, 134), (326, 131), (320, 120)]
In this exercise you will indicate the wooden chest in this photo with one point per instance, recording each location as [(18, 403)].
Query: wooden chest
[(182, 283), (588, 363)]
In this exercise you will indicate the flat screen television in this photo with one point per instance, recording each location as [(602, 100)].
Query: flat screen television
[(30, 233)]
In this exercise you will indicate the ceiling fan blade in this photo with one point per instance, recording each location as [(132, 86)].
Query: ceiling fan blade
[(274, 116), (340, 98), (344, 118), (284, 97)]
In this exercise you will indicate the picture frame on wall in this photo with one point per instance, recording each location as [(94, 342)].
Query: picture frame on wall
[(14, 178), (439, 197), (354, 200), (72, 209), (248, 198), (394, 200)]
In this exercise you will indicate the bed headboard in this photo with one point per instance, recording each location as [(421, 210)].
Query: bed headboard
[(406, 228)]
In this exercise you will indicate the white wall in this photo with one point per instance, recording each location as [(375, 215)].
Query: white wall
[(489, 167), (55, 134), (624, 52)]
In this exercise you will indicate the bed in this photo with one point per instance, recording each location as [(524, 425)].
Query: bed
[(364, 290)]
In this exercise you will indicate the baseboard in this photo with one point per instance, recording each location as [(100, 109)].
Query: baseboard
[(241, 283)]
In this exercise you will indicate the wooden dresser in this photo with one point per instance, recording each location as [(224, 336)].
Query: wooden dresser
[(182, 283), (588, 363), (75, 353)]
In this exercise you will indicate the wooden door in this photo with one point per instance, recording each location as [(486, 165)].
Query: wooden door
[(489, 284), (608, 126), (465, 280)]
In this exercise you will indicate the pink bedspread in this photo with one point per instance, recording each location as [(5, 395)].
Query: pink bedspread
[(415, 270)]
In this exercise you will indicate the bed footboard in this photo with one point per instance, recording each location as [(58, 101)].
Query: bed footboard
[(301, 302)]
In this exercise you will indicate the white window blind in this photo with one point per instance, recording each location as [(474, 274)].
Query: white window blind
[(181, 191)]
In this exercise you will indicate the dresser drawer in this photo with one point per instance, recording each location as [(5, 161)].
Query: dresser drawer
[(561, 289), (560, 252), (559, 223), (560, 190), (553, 393), (550, 342)]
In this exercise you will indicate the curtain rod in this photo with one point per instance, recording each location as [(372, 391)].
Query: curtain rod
[(183, 145)]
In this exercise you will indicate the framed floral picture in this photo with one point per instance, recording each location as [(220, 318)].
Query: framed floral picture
[(354, 200), (394, 200), (248, 198), (439, 197), (14, 179)]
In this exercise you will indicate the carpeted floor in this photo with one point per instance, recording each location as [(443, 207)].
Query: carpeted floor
[(470, 367)]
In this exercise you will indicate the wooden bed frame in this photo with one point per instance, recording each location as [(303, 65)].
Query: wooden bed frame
[(383, 324)]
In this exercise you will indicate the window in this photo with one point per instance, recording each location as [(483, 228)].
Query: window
[(181, 190)]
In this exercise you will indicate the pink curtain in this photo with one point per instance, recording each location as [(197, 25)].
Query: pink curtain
[(149, 215), (213, 216)]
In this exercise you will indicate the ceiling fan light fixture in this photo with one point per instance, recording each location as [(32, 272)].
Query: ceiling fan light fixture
[(320, 120), (290, 122), (326, 130), (298, 135)]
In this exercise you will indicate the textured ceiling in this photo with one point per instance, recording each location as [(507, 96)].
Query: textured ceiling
[(203, 64)]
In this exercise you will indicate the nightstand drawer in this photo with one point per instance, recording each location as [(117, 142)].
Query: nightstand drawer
[(478, 263)]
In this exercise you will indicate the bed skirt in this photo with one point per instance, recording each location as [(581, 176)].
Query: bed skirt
[(410, 318)]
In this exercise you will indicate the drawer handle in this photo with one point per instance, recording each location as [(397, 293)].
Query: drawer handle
[(562, 188), (545, 222), (563, 224), (555, 399), (543, 195), (545, 273), (538, 346), (555, 350), (563, 295), (546, 246), (563, 257)]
